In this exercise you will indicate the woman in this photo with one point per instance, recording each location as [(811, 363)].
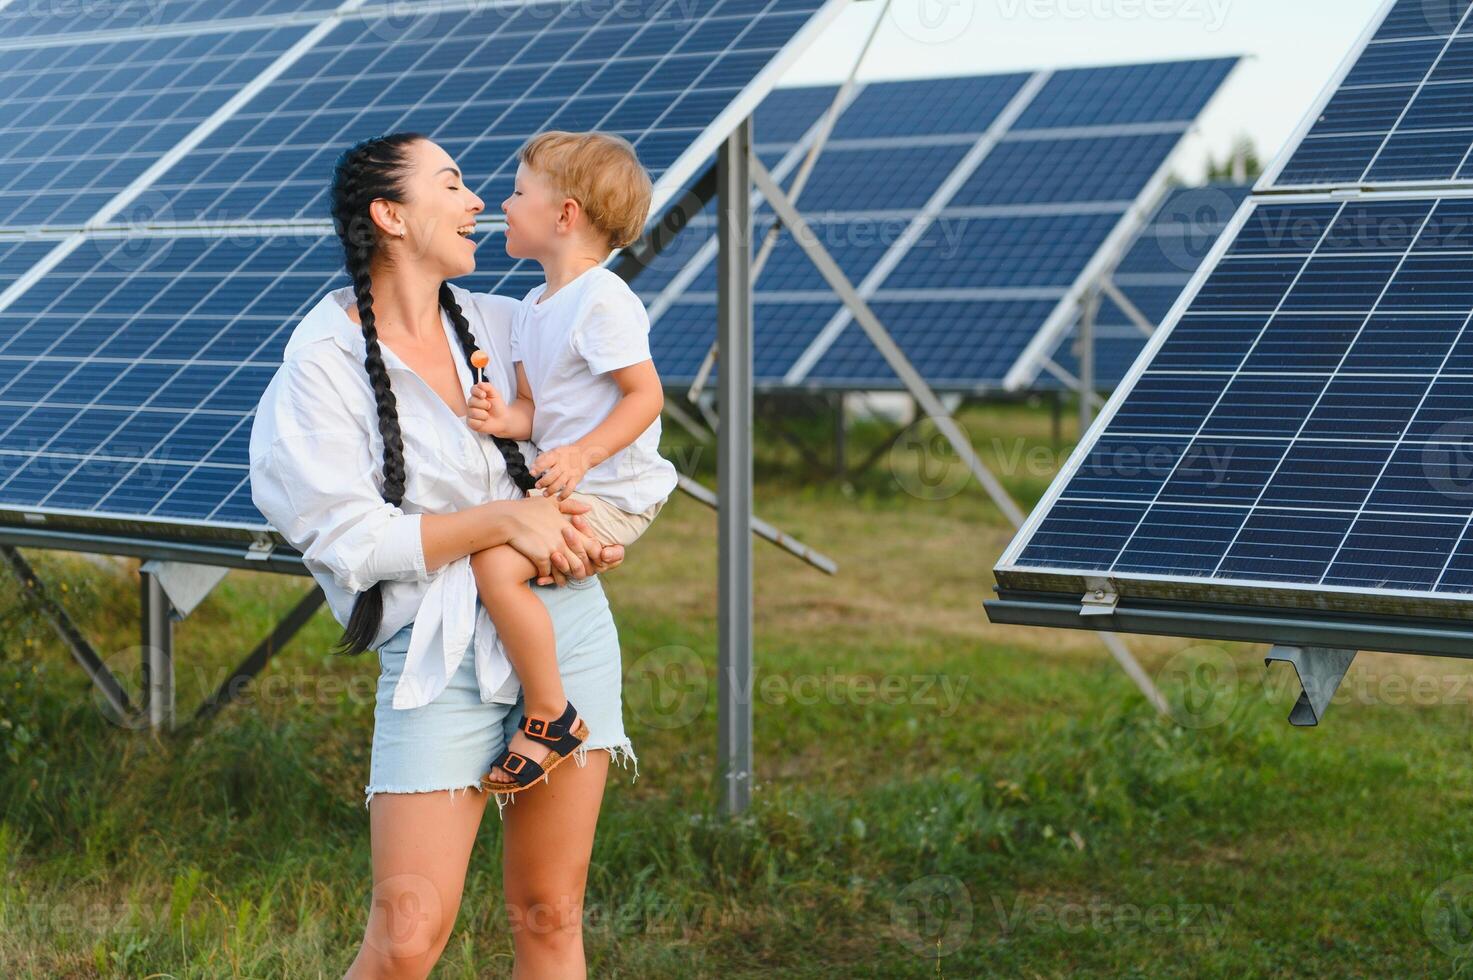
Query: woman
[(362, 458)]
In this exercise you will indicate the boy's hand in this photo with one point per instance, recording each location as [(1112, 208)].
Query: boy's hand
[(487, 412), (560, 470)]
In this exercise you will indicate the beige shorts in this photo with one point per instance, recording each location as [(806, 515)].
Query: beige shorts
[(610, 524)]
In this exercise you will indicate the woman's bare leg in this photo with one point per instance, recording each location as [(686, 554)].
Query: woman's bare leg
[(547, 846), (525, 628), (421, 845)]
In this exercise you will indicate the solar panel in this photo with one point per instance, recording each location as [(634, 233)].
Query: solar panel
[(132, 358), (967, 227), (129, 375), (1400, 111), (1295, 436), (32, 21), (80, 123), (1152, 275), (480, 81)]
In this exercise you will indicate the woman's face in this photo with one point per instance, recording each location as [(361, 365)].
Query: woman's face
[(437, 215)]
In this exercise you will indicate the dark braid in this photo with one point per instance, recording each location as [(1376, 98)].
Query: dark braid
[(516, 463), (372, 169)]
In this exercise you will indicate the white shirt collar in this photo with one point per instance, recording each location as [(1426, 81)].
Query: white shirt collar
[(328, 320)]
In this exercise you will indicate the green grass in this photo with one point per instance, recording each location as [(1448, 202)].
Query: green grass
[(935, 796)]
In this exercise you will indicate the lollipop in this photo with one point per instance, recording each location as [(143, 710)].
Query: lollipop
[(479, 360)]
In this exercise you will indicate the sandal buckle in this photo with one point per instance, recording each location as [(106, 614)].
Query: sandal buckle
[(536, 726), (521, 761)]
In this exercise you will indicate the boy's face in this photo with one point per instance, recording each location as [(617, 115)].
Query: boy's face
[(533, 212)]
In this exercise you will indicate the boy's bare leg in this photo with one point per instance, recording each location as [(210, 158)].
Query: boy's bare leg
[(526, 632)]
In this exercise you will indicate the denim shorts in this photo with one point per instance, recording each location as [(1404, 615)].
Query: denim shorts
[(450, 743)]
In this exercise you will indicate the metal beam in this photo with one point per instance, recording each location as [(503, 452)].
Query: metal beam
[(764, 530), (112, 692), (157, 634), (860, 310), (1132, 312), (1089, 307), (734, 469), (252, 665), (281, 560), (1320, 671)]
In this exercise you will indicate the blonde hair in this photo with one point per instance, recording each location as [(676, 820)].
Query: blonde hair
[(601, 172)]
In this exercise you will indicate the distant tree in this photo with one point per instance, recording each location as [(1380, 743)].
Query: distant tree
[(1240, 165)]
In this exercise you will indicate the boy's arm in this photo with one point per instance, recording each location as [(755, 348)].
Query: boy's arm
[(489, 414), (642, 398)]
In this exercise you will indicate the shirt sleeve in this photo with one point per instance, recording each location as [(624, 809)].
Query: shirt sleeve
[(614, 333), (314, 478)]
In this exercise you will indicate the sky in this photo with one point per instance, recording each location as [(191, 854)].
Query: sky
[(1293, 47)]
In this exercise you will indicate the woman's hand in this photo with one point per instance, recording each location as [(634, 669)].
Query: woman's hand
[(599, 557), (541, 523)]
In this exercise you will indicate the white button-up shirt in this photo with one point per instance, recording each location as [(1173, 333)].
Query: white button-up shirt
[(316, 464)]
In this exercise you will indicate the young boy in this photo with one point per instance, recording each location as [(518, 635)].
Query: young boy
[(587, 396)]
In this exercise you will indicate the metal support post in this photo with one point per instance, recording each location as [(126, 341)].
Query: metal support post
[(158, 651), (734, 469)]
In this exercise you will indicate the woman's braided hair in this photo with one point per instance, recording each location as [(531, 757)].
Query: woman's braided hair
[(367, 171)]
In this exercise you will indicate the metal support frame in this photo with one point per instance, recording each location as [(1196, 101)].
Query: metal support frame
[(1089, 308), (764, 530), (115, 697), (156, 624), (252, 665), (1320, 670), (157, 615), (734, 469), (920, 390)]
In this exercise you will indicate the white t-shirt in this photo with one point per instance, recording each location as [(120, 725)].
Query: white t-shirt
[(593, 325)]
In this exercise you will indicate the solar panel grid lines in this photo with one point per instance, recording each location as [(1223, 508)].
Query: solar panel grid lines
[(1395, 114), (924, 219), (1018, 270), (1357, 488), (82, 123), (131, 354), (27, 23), (567, 71), (792, 155), (1152, 274)]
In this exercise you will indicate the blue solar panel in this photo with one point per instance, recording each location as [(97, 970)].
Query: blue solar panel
[(1305, 422), (28, 19), (79, 123), (480, 81), (16, 256), (1022, 220), (1152, 275), (129, 374), (130, 368), (1402, 112), (1168, 92)]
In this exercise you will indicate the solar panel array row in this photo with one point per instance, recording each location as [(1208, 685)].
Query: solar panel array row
[(964, 234), (130, 368), (1298, 435)]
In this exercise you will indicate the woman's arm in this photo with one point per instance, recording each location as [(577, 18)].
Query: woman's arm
[(548, 532)]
